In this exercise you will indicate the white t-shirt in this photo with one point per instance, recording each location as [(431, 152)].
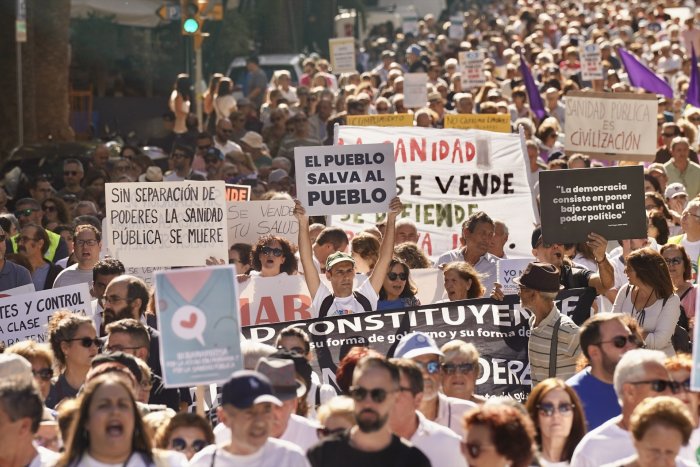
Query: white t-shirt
[(300, 432), (693, 250), (44, 457), (691, 452), (227, 147), (326, 393), (603, 445), (451, 410), (438, 443), (345, 305), (162, 458), (274, 452), (620, 462), (72, 276)]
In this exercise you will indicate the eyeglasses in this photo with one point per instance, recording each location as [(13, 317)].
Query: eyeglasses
[(49, 208), (620, 341), (120, 348), (91, 242), (547, 409), (25, 212), (393, 276), (45, 374), (378, 395), (660, 385), (24, 238), (87, 342), (267, 251), (180, 444), (675, 261), (113, 299), (299, 350), (475, 450), (689, 213), (324, 432), (462, 368), (431, 367), (70, 173)]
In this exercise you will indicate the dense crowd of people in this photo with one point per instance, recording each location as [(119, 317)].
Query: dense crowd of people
[(614, 391)]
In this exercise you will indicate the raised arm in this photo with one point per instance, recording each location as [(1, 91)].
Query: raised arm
[(386, 250), (605, 278), (305, 251)]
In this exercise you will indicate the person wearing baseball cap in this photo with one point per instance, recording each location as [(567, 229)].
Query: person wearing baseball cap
[(247, 401), (340, 270), (553, 346), (435, 406)]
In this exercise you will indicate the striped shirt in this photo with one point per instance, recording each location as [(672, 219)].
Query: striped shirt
[(538, 346)]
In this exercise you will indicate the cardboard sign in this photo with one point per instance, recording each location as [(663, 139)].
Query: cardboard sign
[(499, 330), (490, 122), (456, 29), (22, 289), (345, 179), (620, 126), (591, 62), (25, 316), (445, 175), (199, 325), (381, 120), (247, 222), (146, 273), (507, 270), (342, 51), (471, 65), (608, 201), (237, 192), (409, 25), (415, 90), (167, 223)]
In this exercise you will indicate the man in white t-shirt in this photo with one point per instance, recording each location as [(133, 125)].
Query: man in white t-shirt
[(690, 222), (639, 374), (246, 410), (438, 443), (88, 243), (340, 270)]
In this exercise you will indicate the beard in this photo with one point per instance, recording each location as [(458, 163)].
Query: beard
[(608, 364), (111, 316), (371, 425)]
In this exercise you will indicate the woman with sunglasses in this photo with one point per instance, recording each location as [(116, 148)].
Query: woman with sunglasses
[(681, 270), (336, 416), (462, 281), (560, 424), (460, 370), (188, 433), (41, 359), (498, 436), (55, 213), (74, 343), (650, 299), (271, 256), (397, 290)]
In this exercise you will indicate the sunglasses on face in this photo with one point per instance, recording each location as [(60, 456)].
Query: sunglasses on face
[(660, 385), (298, 350), (358, 394), (674, 261), (431, 367), (267, 251), (180, 444), (324, 432), (393, 276), (24, 212), (620, 341), (547, 409), (463, 368), (45, 374), (86, 342)]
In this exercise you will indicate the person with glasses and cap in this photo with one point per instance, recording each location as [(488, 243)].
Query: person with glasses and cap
[(434, 405), (639, 374), (28, 211), (375, 388), (12, 275), (247, 402)]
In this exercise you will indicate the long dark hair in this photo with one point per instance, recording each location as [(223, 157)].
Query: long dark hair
[(183, 86), (225, 87), (290, 262), (78, 439), (651, 268), (409, 289)]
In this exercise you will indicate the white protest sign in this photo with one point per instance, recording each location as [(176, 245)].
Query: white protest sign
[(145, 273), (410, 25), (456, 29), (342, 51), (22, 289), (281, 298), (415, 90), (507, 270), (611, 125), (471, 66), (167, 224), (345, 179), (591, 62), (25, 316), (445, 175), (248, 221)]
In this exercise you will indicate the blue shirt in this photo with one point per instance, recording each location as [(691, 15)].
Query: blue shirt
[(13, 275), (598, 398)]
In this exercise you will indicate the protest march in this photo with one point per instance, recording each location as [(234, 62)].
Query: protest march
[(461, 239)]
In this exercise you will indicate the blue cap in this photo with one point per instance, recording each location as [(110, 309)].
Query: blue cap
[(214, 152), (414, 49), (247, 388), (416, 344)]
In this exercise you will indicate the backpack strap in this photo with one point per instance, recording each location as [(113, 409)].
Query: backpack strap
[(554, 343), (325, 306), (364, 301)]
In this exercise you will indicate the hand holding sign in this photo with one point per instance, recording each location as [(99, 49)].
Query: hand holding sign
[(598, 245)]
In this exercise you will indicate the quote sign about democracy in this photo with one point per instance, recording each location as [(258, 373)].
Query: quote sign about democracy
[(611, 125), (608, 201), (345, 179), (167, 224)]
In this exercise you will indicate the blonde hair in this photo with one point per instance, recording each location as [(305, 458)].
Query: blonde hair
[(340, 406)]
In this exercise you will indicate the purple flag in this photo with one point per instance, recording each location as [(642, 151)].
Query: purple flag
[(693, 95), (642, 77), (533, 94)]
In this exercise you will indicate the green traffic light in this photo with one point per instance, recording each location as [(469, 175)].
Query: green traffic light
[(190, 26)]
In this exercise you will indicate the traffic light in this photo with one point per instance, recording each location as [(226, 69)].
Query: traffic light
[(191, 15)]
